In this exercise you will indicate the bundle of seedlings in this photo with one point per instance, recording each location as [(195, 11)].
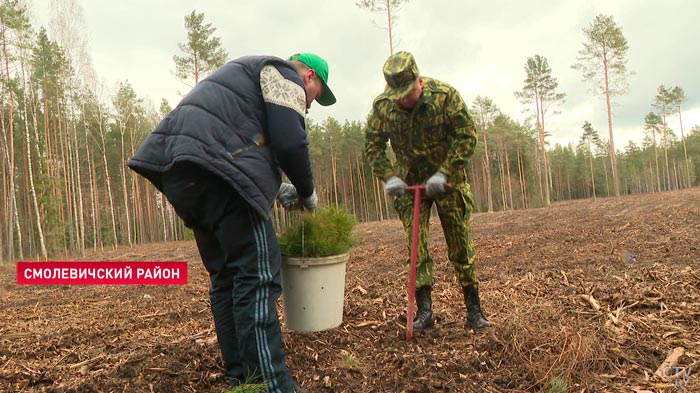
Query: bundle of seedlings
[(323, 233)]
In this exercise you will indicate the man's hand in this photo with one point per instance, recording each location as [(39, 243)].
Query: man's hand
[(288, 197), (395, 186), (311, 202), (436, 184)]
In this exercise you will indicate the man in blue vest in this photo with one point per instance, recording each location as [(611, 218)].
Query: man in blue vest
[(218, 158)]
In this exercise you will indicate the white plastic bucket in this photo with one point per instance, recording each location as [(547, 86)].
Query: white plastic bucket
[(313, 290)]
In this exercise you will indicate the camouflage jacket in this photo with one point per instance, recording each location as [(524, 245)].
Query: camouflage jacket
[(437, 134)]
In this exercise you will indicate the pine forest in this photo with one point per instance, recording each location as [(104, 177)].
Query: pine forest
[(65, 140)]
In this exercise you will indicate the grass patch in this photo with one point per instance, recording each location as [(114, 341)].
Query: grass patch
[(249, 388), (348, 360), (557, 385)]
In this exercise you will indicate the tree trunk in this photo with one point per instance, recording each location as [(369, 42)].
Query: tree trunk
[(352, 187), (613, 154), (658, 172), (521, 179), (95, 205), (91, 185), (502, 175), (483, 177), (362, 179), (125, 190), (66, 218), (108, 181), (13, 217), (590, 161), (391, 35), (665, 140), (607, 180), (10, 156), (3, 213), (137, 204), (79, 187), (489, 196), (379, 192), (32, 189), (538, 169), (73, 166), (334, 173), (540, 123), (685, 149), (510, 184), (676, 183)]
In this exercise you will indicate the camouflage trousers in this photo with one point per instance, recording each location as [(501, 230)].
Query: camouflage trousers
[(454, 209)]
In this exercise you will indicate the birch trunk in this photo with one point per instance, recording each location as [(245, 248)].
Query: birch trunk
[(108, 180), (10, 156), (32, 189), (80, 222), (125, 191)]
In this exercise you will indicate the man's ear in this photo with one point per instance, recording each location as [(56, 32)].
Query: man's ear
[(308, 76), (311, 74)]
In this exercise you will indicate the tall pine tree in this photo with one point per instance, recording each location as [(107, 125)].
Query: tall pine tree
[(202, 51), (540, 90), (603, 62)]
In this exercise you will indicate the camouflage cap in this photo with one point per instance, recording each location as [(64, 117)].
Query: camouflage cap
[(400, 72)]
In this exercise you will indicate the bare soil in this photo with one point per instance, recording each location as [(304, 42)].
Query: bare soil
[(588, 296)]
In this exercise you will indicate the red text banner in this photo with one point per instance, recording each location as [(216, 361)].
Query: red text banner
[(102, 273)]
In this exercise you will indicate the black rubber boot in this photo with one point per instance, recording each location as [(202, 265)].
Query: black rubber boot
[(475, 316), (424, 316)]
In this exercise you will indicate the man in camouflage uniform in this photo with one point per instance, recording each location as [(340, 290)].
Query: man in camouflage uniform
[(433, 136)]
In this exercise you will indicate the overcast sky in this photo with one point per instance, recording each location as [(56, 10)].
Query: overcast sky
[(479, 47)]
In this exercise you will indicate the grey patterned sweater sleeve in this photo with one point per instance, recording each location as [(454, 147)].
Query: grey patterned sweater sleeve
[(284, 94)]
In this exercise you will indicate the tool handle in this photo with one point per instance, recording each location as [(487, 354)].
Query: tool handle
[(418, 189), (414, 260), (421, 187)]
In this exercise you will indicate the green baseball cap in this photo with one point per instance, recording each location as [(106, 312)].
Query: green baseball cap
[(400, 73), (318, 64)]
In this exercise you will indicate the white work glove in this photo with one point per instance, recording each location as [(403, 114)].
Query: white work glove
[(288, 197), (436, 184), (395, 186), (311, 201)]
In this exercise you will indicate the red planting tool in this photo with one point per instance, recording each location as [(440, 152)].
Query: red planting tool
[(417, 194), (417, 191)]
